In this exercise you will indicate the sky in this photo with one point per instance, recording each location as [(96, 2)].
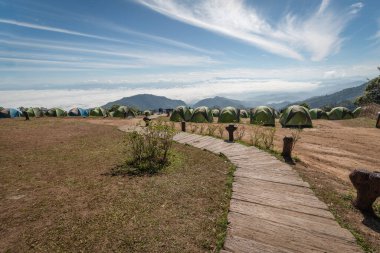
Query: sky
[(86, 53)]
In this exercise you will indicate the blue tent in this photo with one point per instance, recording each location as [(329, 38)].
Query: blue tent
[(10, 113), (78, 112)]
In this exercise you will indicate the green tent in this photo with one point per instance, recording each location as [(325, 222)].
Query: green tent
[(263, 115), (98, 112), (317, 113), (147, 113), (202, 115), (56, 112), (229, 114), (357, 112), (215, 112), (191, 111), (339, 113), (181, 113), (296, 116), (120, 112), (244, 114), (35, 112)]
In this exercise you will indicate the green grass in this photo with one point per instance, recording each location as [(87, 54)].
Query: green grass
[(56, 195)]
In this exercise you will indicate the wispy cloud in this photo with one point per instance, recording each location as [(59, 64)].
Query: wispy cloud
[(55, 29), (132, 58), (317, 34)]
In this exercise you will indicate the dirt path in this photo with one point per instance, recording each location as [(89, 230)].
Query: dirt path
[(336, 149)]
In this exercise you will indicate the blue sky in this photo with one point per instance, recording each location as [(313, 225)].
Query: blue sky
[(88, 52)]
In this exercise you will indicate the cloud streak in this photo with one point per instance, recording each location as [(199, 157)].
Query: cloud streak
[(293, 36), (55, 29)]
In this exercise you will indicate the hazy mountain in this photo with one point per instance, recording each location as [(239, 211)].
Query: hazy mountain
[(220, 102), (341, 98), (147, 102)]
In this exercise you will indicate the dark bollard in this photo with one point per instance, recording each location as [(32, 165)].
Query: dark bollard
[(378, 120), (146, 119), (26, 115), (183, 126), (288, 147), (231, 129), (367, 185)]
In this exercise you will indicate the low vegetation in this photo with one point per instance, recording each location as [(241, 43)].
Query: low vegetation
[(56, 194)]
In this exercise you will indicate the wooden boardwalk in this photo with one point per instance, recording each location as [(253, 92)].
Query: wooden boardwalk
[(272, 209)]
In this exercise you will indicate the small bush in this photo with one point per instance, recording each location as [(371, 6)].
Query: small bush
[(211, 130), (193, 128), (240, 132), (262, 137), (296, 134), (221, 130), (201, 129), (149, 149)]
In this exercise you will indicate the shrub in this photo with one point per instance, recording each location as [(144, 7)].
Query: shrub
[(193, 128), (296, 134), (268, 137), (149, 149), (240, 132), (211, 130), (262, 137), (201, 129), (221, 130)]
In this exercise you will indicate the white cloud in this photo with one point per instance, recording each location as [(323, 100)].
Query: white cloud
[(318, 34), (189, 93)]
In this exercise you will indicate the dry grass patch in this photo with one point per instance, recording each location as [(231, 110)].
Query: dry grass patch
[(54, 196)]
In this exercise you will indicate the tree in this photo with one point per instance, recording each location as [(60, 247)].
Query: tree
[(371, 93)]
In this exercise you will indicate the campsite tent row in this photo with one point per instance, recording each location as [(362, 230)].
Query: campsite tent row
[(74, 112), (260, 115), (293, 116)]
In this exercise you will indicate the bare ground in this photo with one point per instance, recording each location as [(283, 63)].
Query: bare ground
[(55, 196)]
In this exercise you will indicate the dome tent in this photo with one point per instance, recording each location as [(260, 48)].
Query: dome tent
[(229, 115), (202, 115), (147, 113), (78, 112), (181, 113), (244, 114), (56, 112), (296, 116), (10, 113), (356, 112), (35, 112), (263, 115), (215, 112), (339, 113), (98, 112), (317, 113), (120, 112)]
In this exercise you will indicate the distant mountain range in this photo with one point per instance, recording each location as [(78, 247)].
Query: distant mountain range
[(147, 102), (219, 102), (344, 97)]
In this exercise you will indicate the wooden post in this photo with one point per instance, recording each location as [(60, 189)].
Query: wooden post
[(288, 147), (146, 119), (231, 129), (26, 115), (367, 185), (378, 120), (183, 126)]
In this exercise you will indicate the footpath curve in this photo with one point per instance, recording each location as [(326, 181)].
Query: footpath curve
[(272, 209)]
